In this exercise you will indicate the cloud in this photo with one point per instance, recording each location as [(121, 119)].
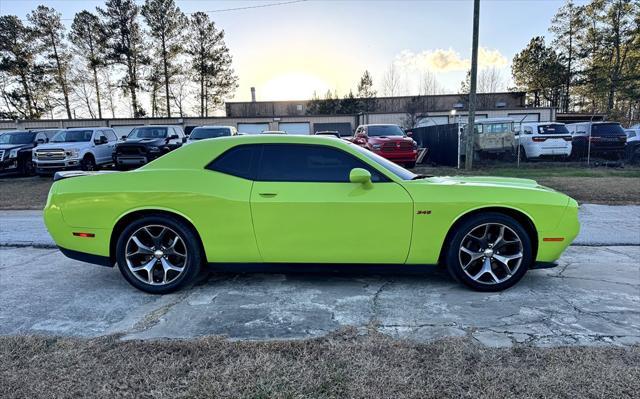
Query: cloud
[(442, 60)]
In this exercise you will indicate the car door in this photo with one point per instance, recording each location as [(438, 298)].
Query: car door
[(113, 140), (100, 151), (306, 210)]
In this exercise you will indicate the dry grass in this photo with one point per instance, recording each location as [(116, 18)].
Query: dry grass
[(340, 366)]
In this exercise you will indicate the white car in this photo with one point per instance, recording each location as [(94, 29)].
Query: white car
[(210, 132), (544, 139), (633, 135)]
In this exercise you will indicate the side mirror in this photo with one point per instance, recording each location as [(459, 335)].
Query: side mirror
[(40, 141), (184, 139), (409, 133), (101, 140), (123, 137), (359, 175), (173, 137)]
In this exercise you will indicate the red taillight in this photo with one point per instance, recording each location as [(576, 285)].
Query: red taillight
[(538, 139), (84, 235)]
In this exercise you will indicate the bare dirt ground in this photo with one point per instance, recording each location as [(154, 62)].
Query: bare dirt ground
[(338, 366)]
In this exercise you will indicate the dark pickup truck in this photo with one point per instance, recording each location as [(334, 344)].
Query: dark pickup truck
[(146, 143)]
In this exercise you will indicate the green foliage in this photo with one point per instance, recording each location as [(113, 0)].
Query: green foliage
[(210, 62), (366, 93), (49, 32), (125, 44), (165, 22), (23, 79), (537, 69)]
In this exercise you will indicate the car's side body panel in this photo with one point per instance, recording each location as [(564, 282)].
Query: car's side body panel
[(392, 222), (441, 202), (332, 222)]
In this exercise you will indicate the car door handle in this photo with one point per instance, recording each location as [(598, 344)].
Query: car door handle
[(267, 195)]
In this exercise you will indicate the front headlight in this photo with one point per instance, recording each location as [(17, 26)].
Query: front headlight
[(72, 153), (14, 153), (376, 146)]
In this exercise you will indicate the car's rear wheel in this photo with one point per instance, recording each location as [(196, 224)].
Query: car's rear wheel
[(489, 252), (158, 254)]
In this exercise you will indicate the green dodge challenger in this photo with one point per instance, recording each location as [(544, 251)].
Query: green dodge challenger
[(313, 200)]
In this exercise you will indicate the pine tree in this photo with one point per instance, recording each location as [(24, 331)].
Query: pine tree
[(50, 33), (90, 39), (210, 62), (125, 44), (166, 23), (366, 94)]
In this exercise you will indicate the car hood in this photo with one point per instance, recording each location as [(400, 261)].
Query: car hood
[(8, 147), (511, 182), (64, 146), (386, 139), (158, 141)]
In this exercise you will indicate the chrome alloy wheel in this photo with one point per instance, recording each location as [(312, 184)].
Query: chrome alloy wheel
[(156, 254), (491, 253)]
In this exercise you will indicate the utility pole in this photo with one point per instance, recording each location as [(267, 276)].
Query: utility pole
[(468, 161)]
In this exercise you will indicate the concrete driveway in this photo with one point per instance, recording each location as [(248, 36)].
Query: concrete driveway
[(592, 298)]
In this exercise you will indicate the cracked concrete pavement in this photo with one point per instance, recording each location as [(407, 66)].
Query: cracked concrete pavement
[(592, 298), (601, 225)]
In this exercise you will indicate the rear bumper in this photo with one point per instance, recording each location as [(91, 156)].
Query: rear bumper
[(85, 257)]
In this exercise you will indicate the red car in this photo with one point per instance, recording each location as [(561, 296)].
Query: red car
[(388, 141)]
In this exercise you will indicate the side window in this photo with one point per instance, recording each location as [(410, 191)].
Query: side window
[(179, 131), (97, 135), (236, 161), (111, 135), (309, 163)]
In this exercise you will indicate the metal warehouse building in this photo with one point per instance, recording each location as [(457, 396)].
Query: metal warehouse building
[(290, 116)]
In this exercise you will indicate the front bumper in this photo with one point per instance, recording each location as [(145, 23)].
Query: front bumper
[(399, 156), (9, 165), (52, 166), (553, 242)]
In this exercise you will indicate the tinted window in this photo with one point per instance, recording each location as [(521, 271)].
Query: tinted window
[(386, 164), (553, 129), (111, 135), (605, 129), (16, 138), (72, 136), (151, 132), (384, 130), (200, 133), (236, 161), (309, 163)]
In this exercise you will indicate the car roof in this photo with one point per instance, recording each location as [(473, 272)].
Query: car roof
[(15, 131), (86, 128), (213, 126)]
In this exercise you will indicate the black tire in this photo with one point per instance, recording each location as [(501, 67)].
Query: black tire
[(27, 168), (191, 267), (88, 163), (453, 259)]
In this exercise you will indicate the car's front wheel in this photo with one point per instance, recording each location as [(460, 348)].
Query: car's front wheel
[(158, 254), (489, 252)]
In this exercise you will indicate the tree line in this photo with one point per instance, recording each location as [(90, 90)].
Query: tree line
[(592, 64), (120, 49)]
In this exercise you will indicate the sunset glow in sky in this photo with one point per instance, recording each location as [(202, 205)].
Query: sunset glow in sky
[(288, 51)]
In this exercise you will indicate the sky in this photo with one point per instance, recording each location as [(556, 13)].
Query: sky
[(289, 50)]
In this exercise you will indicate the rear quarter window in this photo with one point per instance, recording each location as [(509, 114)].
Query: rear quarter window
[(237, 161)]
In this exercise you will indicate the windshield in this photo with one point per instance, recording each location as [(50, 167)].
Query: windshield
[(607, 129), (72, 136), (16, 138), (553, 129), (150, 132), (384, 130), (386, 164), (200, 133)]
